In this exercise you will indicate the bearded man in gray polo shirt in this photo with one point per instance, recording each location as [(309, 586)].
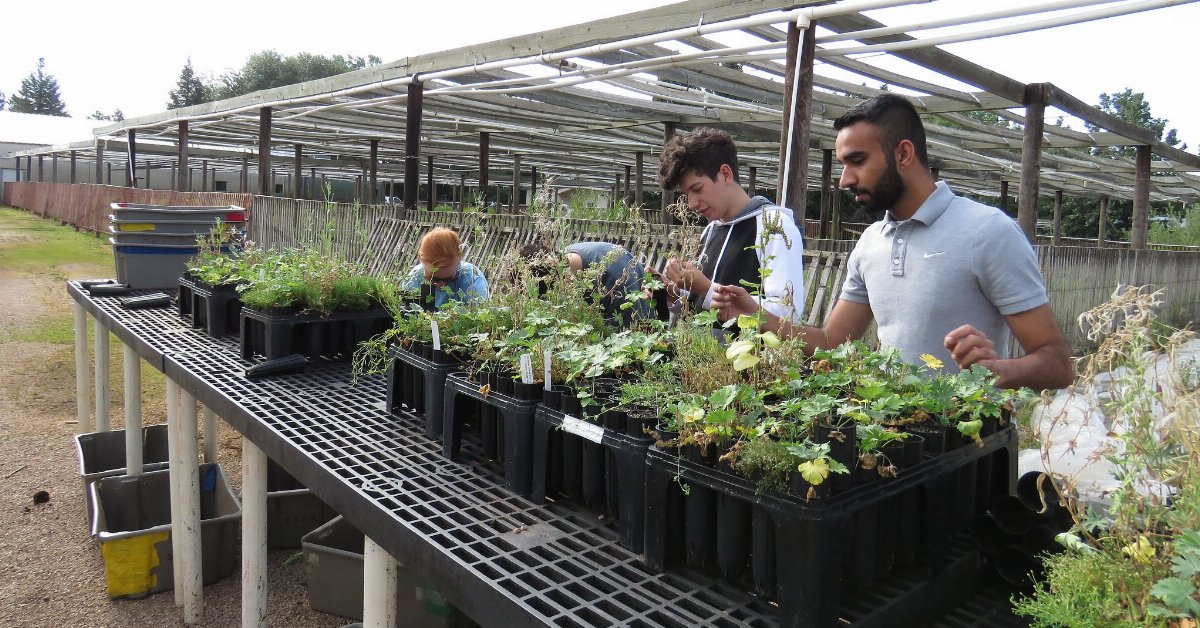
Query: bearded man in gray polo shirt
[(941, 274)]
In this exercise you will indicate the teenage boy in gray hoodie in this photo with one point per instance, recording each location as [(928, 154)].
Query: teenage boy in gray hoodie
[(744, 235)]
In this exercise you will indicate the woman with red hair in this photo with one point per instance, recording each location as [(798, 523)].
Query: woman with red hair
[(444, 270)]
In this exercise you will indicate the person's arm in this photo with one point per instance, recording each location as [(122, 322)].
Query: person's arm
[(1047, 359), (848, 320), (478, 290)]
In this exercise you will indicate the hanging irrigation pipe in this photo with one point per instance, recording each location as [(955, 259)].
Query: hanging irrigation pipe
[(960, 20), (1028, 27)]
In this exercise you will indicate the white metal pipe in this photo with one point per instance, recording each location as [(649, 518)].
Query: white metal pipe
[(379, 586), (173, 465), (83, 396), (210, 435), (1018, 11), (1000, 31), (103, 392), (133, 410), (189, 510), (254, 535)]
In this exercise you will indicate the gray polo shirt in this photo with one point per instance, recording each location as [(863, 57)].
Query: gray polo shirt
[(955, 262)]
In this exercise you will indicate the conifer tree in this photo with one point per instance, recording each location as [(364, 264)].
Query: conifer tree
[(189, 90), (39, 94)]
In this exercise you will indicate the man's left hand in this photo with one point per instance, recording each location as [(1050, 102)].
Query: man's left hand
[(969, 346)]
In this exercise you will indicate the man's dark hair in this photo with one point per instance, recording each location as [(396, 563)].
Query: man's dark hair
[(703, 151), (895, 118), (541, 259)]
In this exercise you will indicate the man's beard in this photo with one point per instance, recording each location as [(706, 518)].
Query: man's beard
[(887, 191)]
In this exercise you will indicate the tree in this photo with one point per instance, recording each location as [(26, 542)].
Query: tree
[(39, 94), (116, 116), (268, 69), (189, 90), (2, 101), (1132, 107)]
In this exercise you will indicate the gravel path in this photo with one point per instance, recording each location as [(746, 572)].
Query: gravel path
[(53, 574)]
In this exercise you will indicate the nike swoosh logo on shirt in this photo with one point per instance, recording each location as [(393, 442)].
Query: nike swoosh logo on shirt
[(934, 254)]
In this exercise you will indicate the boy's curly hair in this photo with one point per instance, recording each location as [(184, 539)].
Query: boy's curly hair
[(703, 151)]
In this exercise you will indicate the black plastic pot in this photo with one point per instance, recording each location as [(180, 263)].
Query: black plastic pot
[(843, 447), (1016, 568), (1038, 492), (638, 419), (570, 403), (1011, 515), (553, 398), (665, 434), (613, 420), (504, 383), (701, 455), (799, 486), (989, 536), (934, 436), (527, 392), (913, 450)]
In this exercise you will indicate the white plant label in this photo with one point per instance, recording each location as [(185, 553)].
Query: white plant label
[(583, 429), (546, 369), (526, 368), (437, 335)]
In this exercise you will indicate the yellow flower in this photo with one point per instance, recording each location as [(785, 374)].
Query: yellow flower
[(931, 362)]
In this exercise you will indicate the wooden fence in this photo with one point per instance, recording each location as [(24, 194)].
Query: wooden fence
[(86, 205), (385, 236)]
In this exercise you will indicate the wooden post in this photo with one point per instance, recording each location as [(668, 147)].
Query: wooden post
[(184, 181), (835, 210), (130, 176), (823, 231), (245, 182), (752, 183), (297, 172), (628, 182), (637, 187), (18, 169), (1057, 218), (462, 191), (148, 186), (484, 141), (373, 197), (1004, 196), (430, 186), (412, 143), (312, 185), (533, 183), (29, 168), (1141, 198), (1102, 229), (1031, 159), (72, 167), (515, 202), (265, 181), (204, 175), (108, 173), (793, 137), (41, 170), (54, 168), (668, 133)]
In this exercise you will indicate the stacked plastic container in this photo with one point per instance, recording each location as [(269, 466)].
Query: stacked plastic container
[(152, 243)]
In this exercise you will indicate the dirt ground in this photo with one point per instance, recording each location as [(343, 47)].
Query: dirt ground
[(53, 573)]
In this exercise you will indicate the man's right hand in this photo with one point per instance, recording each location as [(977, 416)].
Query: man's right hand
[(732, 301)]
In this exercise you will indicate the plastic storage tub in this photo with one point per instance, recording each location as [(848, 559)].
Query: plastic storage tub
[(102, 455), (333, 558), (132, 522)]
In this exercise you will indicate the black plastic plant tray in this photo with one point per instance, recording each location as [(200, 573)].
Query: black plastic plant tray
[(215, 309), (313, 335), (502, 559), (151, 332), (611, 483), (511, 442), (417, 385), (723, 528)]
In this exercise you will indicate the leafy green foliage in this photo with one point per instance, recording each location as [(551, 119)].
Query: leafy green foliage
[(1132, 107), (190, 90), (38, 94), (268, 69)]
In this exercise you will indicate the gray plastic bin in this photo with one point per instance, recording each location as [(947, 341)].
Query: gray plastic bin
[(292, 510), (132, 522), (333, 558), (102, 455), (151, 266), (154, 213)]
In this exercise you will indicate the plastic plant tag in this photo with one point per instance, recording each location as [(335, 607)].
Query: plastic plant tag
[(583, 429), (437, 335), (546, 369), (526, 368)]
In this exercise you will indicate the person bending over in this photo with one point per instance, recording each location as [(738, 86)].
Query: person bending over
[(443, 272)]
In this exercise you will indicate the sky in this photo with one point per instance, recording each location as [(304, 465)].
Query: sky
[(127, 54)]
